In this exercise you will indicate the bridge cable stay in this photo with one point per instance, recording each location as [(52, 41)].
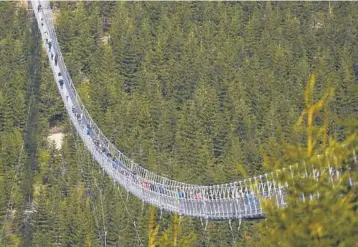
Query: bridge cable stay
[(102, 211), (356, 165), (141, 171), (103, 242), (233, 235), (130, 217), (45, 34), (87, 182), (45, 11)]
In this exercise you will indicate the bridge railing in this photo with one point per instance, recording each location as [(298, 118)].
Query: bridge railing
[(241, 199)]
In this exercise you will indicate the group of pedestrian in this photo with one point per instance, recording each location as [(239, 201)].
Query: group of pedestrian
[(131, 175), (48, 41)]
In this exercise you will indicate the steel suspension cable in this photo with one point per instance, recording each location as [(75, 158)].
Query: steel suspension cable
[(131, 217), (80, 151), (214, 206)]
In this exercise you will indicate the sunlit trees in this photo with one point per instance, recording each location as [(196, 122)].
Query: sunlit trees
[(330, 219)]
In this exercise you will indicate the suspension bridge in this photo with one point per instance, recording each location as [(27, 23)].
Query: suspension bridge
[(229, 201)]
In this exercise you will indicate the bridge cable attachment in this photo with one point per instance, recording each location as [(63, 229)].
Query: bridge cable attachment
[(355, 164), (87, 184), (232, 234), (131, 217)]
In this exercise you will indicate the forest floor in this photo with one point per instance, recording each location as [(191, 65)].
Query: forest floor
[(56, 135)]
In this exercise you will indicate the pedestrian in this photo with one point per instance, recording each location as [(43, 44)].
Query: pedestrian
[(61, 83), (161, 189), (96, 142), (39, 8), (46, 35), (60, 80), (51, 56), (180, 206), (146, 185), (88, 129), (180, 194), (151, 187), (56, 58), (49, 45)]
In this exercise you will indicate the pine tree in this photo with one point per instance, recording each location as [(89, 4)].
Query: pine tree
[(307, 222), (43, 231)]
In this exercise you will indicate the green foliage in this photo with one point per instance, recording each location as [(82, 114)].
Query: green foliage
[(330, 219), (195, 90), (199, 92)]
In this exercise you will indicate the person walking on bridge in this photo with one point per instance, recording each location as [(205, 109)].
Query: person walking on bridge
[(49, 45), (180, 198), (56, 58), (88, 132), (60, 79), (46, 35)]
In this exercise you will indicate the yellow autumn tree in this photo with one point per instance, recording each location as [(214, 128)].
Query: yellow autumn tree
[(171, 236)]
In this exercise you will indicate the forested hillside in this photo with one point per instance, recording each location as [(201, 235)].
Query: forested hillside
[(198, 92), (17, 91)]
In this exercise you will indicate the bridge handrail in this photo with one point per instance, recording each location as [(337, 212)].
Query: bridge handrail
[(223, 196)]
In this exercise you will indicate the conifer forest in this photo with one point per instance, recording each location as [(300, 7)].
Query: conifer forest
[(199, 92)]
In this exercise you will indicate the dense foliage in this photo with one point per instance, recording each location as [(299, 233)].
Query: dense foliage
[(199, 92)]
